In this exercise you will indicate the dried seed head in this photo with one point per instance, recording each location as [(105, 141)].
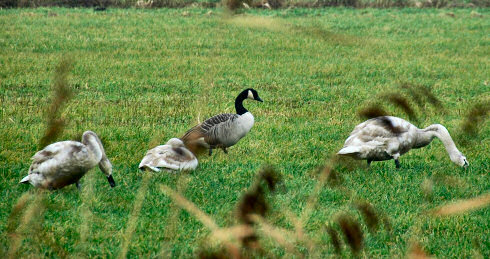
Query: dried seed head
[(427, 187), (403, 103), (475, 117), (270, 176), (369, 215), (334, 178), (430, 96), (352, 232), (373, 111), (387, 224), (252, 203), (334, 238), (388, 125), (416, 96), (220, 254)]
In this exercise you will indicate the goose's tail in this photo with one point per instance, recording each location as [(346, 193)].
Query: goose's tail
[(194, 141)]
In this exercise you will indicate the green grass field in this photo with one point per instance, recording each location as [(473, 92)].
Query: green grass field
[(140, 77)]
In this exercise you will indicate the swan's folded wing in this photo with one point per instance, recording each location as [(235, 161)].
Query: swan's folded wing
[(159, 157), (68, 155)]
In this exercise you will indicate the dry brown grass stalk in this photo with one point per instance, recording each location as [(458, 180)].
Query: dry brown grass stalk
[(313, 198), (461, 206), (30, 222), (87, 199), (171, 228), (190, 207), (61, 94), (280, 235), (133, 218), (232, 248), (234, 233), (417, 252)]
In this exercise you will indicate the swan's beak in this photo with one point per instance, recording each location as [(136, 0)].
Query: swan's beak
[(466, 164), (111, 181), (25, 180)]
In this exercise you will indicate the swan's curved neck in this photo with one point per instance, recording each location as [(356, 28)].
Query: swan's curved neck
[(425, 136), (92, 142), (239, 103)]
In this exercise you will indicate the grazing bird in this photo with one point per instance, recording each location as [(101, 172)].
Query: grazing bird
[(65, 162), (224, 130), (171, 156), (387, 137)]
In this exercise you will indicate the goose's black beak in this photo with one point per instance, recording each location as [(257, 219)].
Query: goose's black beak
[(111, 181), (258, 99), (466, 164)]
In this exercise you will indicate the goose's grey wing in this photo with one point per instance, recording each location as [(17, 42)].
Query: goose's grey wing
[(208, 128)]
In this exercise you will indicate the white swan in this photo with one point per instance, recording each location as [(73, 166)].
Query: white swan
[(224, 130), (171, 156), (64, 163), (387, 137)]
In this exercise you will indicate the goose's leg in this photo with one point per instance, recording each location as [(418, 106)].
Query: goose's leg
[(369, 162), (78, 185), (210, 151), (224, 150)]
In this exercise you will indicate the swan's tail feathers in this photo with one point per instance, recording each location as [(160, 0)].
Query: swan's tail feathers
[(349, 150), (25, 180), (152, 168)]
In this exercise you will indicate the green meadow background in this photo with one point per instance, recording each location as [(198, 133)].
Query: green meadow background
[(140, 77)]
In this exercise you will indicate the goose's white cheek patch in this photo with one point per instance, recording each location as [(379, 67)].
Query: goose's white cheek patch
[(250, 95)]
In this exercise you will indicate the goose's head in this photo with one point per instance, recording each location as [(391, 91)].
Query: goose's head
[(460, 160), (252, 94)]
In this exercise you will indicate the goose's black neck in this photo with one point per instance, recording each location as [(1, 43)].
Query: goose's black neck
[(239, 103)]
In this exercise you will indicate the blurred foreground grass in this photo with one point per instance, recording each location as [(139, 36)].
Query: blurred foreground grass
[(140, 77)]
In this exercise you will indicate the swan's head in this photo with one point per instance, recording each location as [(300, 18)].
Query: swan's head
[(252, 94), (175, 142), (106, 168), (460, 160)]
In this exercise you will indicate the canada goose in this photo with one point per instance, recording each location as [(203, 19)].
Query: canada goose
[(224, 130), (171, 156), (64, 163), (387, 137)]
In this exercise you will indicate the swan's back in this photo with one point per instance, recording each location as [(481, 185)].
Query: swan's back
[(169, 157), (60, 164), (379, 137)]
